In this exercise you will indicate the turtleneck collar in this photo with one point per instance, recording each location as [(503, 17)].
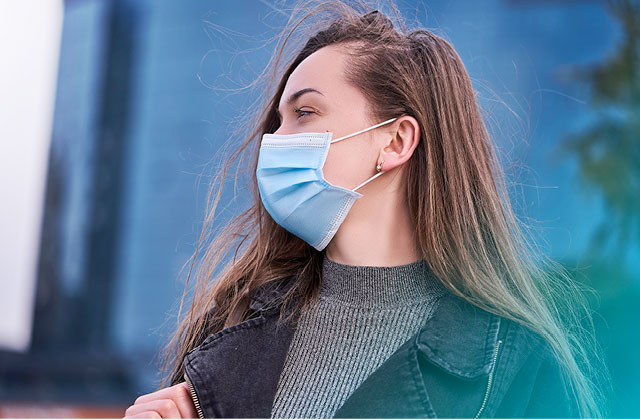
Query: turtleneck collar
[(367, 286)]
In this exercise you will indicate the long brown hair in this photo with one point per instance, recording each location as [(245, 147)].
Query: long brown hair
[(455, 191)]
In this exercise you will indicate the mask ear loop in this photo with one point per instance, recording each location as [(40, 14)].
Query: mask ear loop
[(368, 181), (365, 130), (360, 132)]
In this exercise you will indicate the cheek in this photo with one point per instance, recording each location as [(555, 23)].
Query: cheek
[(348, 165)]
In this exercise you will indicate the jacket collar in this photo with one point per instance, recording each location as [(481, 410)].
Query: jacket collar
[(459, 337)]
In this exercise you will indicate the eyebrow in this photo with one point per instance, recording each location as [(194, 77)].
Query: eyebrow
[(297, 95)]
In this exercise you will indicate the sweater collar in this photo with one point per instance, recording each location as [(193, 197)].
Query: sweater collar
[(378, 286)]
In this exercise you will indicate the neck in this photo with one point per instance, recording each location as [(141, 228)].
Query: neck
[(377, 231)]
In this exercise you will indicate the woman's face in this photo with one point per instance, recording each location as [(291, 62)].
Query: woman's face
[(317, 98)]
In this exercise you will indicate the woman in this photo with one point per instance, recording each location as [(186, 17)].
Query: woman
[(380, 271)]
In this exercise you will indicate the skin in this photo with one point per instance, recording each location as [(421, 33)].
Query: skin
[(377, 230), (173, 402)]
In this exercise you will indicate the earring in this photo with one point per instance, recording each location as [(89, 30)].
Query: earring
[(379, 166)]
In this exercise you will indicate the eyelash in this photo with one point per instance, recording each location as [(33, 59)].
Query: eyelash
[(298, 111)]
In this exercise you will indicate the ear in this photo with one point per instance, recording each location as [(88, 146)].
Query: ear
[(405, 138)]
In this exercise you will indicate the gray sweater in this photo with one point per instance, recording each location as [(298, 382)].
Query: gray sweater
[(363, 315)]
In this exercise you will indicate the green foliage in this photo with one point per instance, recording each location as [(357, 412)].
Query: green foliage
[(608, 152)]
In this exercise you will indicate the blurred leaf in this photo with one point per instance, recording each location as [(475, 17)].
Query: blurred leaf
[(608, 152)]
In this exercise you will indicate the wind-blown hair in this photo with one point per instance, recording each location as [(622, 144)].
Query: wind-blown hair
[(455, 191)]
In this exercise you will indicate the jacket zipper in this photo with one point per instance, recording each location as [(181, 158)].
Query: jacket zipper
[(194, 397), (490, 380)]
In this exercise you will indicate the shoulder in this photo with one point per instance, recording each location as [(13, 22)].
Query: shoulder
[(551, 393)]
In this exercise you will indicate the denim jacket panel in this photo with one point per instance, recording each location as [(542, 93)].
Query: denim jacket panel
[(235, 371)]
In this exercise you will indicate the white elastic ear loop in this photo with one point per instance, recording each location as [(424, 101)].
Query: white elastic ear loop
[(368, 181), (365, 130)]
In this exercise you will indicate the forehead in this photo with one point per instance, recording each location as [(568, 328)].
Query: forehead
[(322, 70)]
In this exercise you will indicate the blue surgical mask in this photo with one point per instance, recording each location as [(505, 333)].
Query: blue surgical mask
[(293, 188)]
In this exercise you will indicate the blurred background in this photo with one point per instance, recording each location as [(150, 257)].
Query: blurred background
[(111, 112)]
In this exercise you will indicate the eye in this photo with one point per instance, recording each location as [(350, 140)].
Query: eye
[(302, 113)]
